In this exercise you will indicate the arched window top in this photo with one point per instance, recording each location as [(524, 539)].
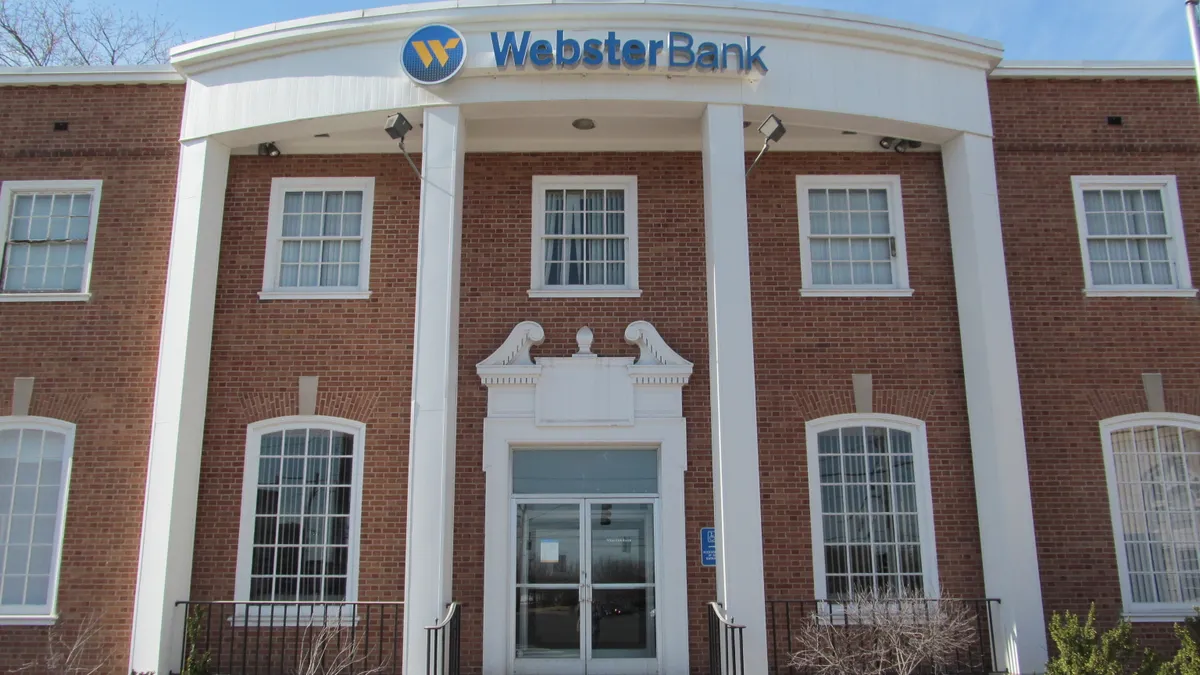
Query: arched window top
[(910, 424), (34, 422), (1152, 465), (301, 505)]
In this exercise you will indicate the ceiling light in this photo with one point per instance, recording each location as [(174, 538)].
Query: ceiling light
[(268, 150), (849, 133), (584, 124), (320, 135)]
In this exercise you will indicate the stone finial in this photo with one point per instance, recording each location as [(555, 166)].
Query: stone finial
[(654, 351), (515, 350), (584, 338)]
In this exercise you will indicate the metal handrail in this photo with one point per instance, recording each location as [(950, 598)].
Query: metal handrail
[(451, 610), (442, 643), (726, 643)]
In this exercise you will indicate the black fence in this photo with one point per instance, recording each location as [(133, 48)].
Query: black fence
[(726, 643), (442, 643), (791, 623), (293, 638)]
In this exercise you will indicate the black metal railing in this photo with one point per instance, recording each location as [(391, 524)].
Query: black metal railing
[(442, 645), (292, 638), (786, 619), (726, 643)]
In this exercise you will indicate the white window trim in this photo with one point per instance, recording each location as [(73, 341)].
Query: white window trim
[(1177, 247), (537, 286), (8, 190), (270, 288), (901, 288), (254, 434), (1138, 611), (50, 615), (915, 427)]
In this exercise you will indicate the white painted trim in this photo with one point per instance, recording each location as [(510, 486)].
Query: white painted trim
[(88, 75), (45, 297), (1140, 293), (856, 293), (1130, 609), (10, 189), (584, 293), (537, 288), (254, 434), (920, 447), (315, 295), (271, 290), (1091, 70), (44, 615), (1177, 248), (890, 183)]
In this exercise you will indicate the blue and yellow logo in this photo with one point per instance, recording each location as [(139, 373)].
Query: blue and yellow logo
[(434, 54)]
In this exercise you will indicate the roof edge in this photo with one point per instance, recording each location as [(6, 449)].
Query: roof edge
[(1094, 70), (89, 75)]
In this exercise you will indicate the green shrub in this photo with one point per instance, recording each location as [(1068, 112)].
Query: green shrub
[(1187, 659), (1083, 650)]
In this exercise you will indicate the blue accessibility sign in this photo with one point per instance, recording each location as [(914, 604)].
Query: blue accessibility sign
[(708, 546)]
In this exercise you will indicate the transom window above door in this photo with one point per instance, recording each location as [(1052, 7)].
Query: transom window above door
[(584, 236), (319, 238), (852, 236)]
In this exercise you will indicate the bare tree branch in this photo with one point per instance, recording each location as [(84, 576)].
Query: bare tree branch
[(71, 650), (60, 33)]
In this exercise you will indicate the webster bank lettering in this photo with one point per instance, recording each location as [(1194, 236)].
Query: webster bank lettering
[(679, 50)]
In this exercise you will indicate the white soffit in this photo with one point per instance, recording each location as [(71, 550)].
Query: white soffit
[(89, 75)]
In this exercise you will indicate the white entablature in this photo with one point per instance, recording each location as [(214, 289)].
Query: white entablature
[(585, 388)]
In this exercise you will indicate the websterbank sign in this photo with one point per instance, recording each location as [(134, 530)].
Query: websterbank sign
[(678, 50)]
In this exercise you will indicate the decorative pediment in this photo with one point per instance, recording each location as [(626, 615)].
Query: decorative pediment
[(585, 389)]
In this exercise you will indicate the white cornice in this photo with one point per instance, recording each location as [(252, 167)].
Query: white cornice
[(1095, 70), (89, 75), (761, 19)]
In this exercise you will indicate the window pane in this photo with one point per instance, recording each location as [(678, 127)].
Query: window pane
[(31, 465), (584, 226), (585, 471)]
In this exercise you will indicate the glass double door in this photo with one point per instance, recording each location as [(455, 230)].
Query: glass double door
[(585, 582)]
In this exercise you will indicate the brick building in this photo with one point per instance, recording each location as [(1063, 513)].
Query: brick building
[(556, 369)]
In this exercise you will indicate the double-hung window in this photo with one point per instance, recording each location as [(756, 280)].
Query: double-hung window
[(35, 467), (584, 236), (300, 510), (319, 238), (1131, 236), (872, 514), (852, 236), (47, 229), (1153, 466)]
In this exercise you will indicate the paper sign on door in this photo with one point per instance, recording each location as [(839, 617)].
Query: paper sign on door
[(548, 551)]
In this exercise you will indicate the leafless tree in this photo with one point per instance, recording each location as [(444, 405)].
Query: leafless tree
[(329, 651), (71, 650), (873, 635), (60, 33)]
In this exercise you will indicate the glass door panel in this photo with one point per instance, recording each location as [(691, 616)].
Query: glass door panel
[(621, 588), (548, 588)]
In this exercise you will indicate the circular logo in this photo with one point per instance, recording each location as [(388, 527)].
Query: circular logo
[(433, 54)]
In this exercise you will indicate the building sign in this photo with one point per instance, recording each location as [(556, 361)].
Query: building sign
[(433, 54), (679, 50), (708, 546)]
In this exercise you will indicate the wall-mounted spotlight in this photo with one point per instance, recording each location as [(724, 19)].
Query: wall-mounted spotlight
[(397, 126), (772, 130), (268, 150), (901, 145)]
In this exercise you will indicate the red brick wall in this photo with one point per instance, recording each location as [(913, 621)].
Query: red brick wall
[(360, 350), (95, 362), (1080, 359), (806, 350)]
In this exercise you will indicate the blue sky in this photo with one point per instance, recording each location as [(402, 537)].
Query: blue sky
[(1029, 29)]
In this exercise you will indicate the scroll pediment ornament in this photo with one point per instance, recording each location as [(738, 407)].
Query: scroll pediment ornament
[(654, 351), (515, 350)]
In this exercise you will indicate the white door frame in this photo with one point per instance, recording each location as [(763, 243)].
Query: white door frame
[(586, 663), (500, 436)]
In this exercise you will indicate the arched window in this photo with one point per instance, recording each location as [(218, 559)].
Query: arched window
[(872, 512), (301, 502), (35, 468), (1153, 466)]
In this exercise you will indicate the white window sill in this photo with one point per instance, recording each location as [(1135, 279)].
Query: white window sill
[(28, 619), (1140, 292), (313, 295), (586, 293), (856, 292), (45, 297), (1167, 614)]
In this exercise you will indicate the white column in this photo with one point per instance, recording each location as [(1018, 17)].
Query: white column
[(1010, 565), (429, 550), (731, 376), (181, 391)]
